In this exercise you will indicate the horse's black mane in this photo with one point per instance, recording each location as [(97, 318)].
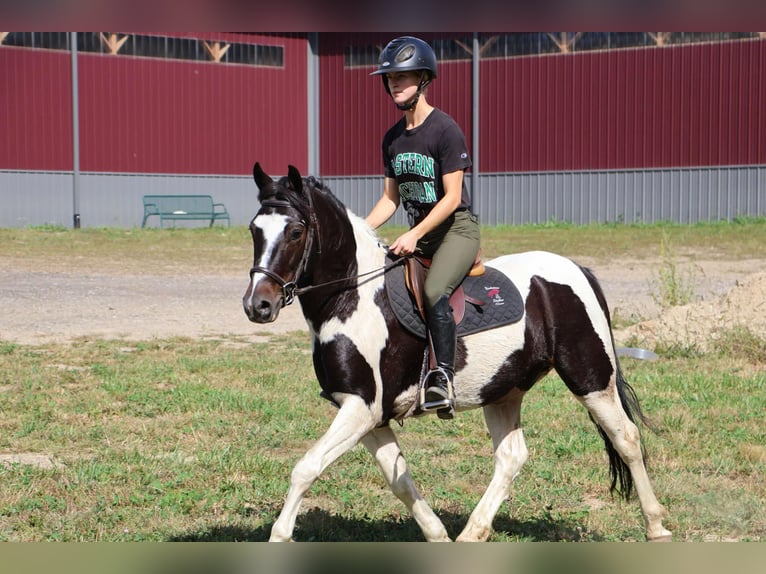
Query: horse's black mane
[(283, 190)]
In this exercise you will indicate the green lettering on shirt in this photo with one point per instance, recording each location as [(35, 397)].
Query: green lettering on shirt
[(413, 163)]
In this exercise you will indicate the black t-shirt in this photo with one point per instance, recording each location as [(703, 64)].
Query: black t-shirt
[(417, 158)]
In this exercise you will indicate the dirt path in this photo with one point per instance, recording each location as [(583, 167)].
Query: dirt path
[(43, 307), (60, 306)]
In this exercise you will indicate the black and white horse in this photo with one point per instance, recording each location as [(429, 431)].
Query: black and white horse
[(307, 244)]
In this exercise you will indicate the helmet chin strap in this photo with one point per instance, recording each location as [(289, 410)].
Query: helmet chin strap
[(410, 104)]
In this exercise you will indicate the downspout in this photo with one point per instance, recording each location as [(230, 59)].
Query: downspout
[(75, 135), (475, 120), (312, 97)]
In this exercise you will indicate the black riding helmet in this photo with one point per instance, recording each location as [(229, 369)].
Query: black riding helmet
[(407, 54)]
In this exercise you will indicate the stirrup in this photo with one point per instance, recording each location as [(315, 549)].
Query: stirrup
[(438, 397)]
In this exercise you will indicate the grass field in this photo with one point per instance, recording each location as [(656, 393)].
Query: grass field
[(226, 248), (190, 440)]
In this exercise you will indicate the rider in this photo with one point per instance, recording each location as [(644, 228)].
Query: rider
[(424, 157)]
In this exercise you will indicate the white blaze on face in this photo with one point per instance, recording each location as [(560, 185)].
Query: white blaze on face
[(272, 227)]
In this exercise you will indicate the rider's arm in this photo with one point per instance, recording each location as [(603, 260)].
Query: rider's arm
[(386, 206)]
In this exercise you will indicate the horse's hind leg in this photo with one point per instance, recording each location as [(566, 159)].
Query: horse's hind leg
[(383, 445), (352, 422), (608, 412), (504, 424)]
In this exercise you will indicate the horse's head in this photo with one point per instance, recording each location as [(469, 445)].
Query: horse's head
[(282, 243)]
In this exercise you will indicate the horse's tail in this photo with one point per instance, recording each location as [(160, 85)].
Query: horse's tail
[(622, 480)]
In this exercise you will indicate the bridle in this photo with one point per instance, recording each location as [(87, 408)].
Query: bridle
[(290, 289)]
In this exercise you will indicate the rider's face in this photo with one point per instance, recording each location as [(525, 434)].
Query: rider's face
[(403, 85)]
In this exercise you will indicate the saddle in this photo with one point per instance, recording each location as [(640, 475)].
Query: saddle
[(415, 271), (484, 300)]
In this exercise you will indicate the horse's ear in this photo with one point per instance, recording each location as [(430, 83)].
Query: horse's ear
[(260, 177), (294, 176)]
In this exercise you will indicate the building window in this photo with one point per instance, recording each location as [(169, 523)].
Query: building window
[(147, 46), (446, 49), (527, 44), (42, 40)]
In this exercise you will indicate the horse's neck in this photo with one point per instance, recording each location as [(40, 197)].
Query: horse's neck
[(370, 252), (338, 265)]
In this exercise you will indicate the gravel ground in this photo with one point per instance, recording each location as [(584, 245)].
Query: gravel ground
[(43, 307), (61, 306)]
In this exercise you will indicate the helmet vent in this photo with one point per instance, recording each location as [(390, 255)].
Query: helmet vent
[(405, 53)]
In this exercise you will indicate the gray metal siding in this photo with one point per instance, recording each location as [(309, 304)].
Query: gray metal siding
[(112, 200), (35, 198), (640, 196), (637, 196)]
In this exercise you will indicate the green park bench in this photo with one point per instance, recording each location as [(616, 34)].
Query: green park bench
[(184, 207)]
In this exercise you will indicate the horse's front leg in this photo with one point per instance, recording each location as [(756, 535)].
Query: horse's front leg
[(383, 445), (352, 422)]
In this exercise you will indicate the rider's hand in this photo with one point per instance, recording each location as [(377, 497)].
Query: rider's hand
[(405, 244)]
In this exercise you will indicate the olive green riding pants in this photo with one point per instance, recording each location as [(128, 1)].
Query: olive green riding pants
[(452, 247)]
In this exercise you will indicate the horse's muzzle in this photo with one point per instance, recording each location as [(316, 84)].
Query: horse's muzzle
[(261, 309)]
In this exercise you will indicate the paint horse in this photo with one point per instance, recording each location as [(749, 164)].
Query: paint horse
[(308, 245)]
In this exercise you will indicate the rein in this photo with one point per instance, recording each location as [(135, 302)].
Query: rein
[(290, 289)]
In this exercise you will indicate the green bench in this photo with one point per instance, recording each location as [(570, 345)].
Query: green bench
[(184, 207)]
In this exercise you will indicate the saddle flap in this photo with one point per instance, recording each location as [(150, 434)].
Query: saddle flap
[(415, 271), (414, 278)]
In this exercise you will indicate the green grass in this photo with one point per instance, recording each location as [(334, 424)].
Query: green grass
[(185, 439), (192, 440), (739, 239), (127, 250), (229, 248)]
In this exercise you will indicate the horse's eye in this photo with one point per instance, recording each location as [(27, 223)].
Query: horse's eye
[(295, 233)]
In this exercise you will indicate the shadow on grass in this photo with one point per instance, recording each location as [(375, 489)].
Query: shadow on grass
[(318, 525)]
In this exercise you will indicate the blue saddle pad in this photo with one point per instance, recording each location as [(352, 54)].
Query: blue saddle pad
[(502, 302)]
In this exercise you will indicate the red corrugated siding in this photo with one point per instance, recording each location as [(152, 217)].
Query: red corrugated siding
[(161, 116), (35, 110), (356, 111), (647, 108), (145, 115), (353, 114), (677, 106)]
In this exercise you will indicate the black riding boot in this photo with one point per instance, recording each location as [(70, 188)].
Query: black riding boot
[(437, 394)]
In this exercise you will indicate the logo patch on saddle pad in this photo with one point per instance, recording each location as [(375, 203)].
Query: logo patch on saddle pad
[(502, 303)]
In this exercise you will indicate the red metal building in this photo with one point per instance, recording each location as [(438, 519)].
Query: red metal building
[(206, 105), (155, 115)]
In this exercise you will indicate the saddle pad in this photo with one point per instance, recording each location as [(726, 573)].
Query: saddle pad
[(502, 302)]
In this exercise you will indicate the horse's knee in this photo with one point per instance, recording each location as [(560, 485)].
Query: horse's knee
[(511, 454), (403, 488), (303, 475)]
